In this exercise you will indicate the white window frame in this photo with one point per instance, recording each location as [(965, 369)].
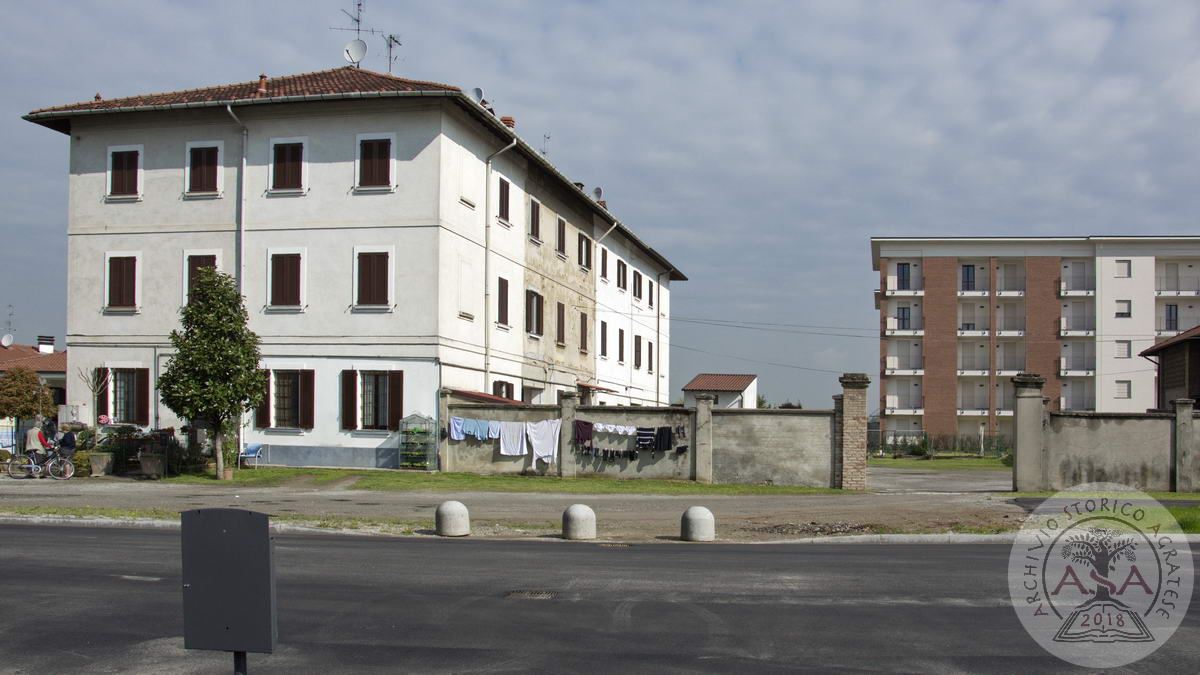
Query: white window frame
[(141, 178), (189, 252), (110, 386), (1128, 389), (304, 161), (137, 282), (1124, 269), (391, 288), (1127, 304), (1126, 346), (187, 169), (358, 139), (283, 309)]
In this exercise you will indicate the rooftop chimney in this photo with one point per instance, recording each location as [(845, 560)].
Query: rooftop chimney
[(46, 344), (262, 84), (603, 204), (509, 121), (579, 185), (98, 97)]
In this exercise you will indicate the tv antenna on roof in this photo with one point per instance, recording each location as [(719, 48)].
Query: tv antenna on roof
[(356, 49)]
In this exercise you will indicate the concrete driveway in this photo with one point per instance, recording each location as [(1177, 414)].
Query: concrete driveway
[(887, 479)]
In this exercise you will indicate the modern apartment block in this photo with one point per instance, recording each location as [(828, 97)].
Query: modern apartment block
[(391, 237), (959, 316)]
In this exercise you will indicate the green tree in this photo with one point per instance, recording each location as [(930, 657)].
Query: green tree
[(23, 395), (762, 402), (213, 375)]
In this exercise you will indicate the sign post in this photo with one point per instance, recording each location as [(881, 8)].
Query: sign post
[(228, 583)]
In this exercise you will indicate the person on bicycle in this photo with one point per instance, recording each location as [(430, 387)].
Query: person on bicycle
[(66, 444)]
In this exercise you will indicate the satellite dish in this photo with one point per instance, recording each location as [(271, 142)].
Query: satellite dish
[(599, 194), (477, 94), (6, 341), (354, 51)]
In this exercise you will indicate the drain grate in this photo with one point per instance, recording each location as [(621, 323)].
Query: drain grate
[(531, 595), (614, 545)]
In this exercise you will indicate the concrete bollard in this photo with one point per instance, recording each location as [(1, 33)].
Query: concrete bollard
[(579, 522), (452, 519), (698, 524)]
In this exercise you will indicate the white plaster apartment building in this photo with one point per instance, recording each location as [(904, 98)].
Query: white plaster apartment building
[(391, 237), (959, 316)]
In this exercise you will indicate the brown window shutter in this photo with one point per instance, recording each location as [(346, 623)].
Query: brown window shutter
[(583, 331), (637, 351), (604, 263), (603, 338), (141, 379), (535, 220), (621, 345), (560, 323), (395, 399), (129, 285), (122, 278), (262, 413), (528, 311), (124, 173), (288, 159), (349, 400), (307, 380), (102, 375), (285, 279), (202, 176), (561, 244), (194, 263), (650, 292), (372, 278), (503, 210), (539, 304), (374, 163), (502, 300), (649, 356)]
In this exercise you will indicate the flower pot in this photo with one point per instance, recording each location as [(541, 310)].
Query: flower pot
[(152, 465), (227, 473), (102, 463)]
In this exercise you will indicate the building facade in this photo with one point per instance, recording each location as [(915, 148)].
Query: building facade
[(391, 238), (959, 316)]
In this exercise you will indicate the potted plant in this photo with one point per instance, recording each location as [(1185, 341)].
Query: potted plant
[(152, 463), (229, 454), (99, 457)]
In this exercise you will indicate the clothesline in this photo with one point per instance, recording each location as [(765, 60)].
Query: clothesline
[(542, 437)]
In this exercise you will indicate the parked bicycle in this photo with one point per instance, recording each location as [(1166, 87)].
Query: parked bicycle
[(51, 464)]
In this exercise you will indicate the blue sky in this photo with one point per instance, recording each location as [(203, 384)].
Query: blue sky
[(758, 145)]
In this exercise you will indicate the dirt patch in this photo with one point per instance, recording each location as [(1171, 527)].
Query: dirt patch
[(810, 529), (341, 483)]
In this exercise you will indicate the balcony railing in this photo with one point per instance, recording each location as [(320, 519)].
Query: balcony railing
[(1175, 284), (904, 323), (906, 402), (1077, 363), (1012, 323), (1078, 323), (1014, 363), (973, 286), (896, 363), (1077, 402), (895, 283), (1168, 324), (973, 324), (1080, 283), (972, 363), (1011, 283), (973, 403)]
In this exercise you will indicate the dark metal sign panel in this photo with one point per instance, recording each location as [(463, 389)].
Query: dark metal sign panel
[(228, 581)]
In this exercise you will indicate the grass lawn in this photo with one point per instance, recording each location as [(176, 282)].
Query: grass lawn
[(465, 482), (946, 463)]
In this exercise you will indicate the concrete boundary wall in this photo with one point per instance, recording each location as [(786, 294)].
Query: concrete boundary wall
[(780, 447), (1058, 450)]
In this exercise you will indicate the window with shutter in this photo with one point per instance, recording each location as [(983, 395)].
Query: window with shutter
[(650, 292), (285, 279), (395, 394), (533, 313), (561, 244), (141, 396), (202, 171), (637, 351), (375, 162), (649, 356), (502, 301), (560, 321), (503, 389), (104, 376), (502, 209), (374, 400), (122, 282), (194, 263), (604, 338), (637, 284), (535, 220), (287, 399), (583, 332), (125, 388), (603, 263), (621, 345), (262, 413), (622, 278), (123, 177), (307, 396), (372, 278), (349, 400), (287, 167), (585, 251)]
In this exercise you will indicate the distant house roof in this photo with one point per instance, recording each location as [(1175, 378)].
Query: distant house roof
[(719, 382), (1190, 334), (25, 356), (481, 397), (343, 83)]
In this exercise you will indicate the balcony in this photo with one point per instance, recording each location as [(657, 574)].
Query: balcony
[(1077, 326), (896, 325), (1005, 405), (976, 328), (894, 365), (1077, 403), (1009, 367), (1010, 326), (973, 406), (1077, 287), (905, 405), (904, 287), (1172, 326), (972, 289), (1070, 366), (1010, 287), (1177, 287)]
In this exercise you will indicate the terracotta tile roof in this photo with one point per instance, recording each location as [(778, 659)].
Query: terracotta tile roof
[(1189, 334), (24, 356), (482, 397), (719, 382), (345, 80)]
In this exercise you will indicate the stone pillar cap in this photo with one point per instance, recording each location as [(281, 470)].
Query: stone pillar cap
[(1184, 401), (855, 380), (1029, 380), (706, 397)]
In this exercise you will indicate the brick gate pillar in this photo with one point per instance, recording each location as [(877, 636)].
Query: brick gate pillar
[(1029, 461), (566, 438), (853, 443), (702, 467), (835, 478)]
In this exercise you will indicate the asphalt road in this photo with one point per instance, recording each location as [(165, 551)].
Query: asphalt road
[(108, 600)]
